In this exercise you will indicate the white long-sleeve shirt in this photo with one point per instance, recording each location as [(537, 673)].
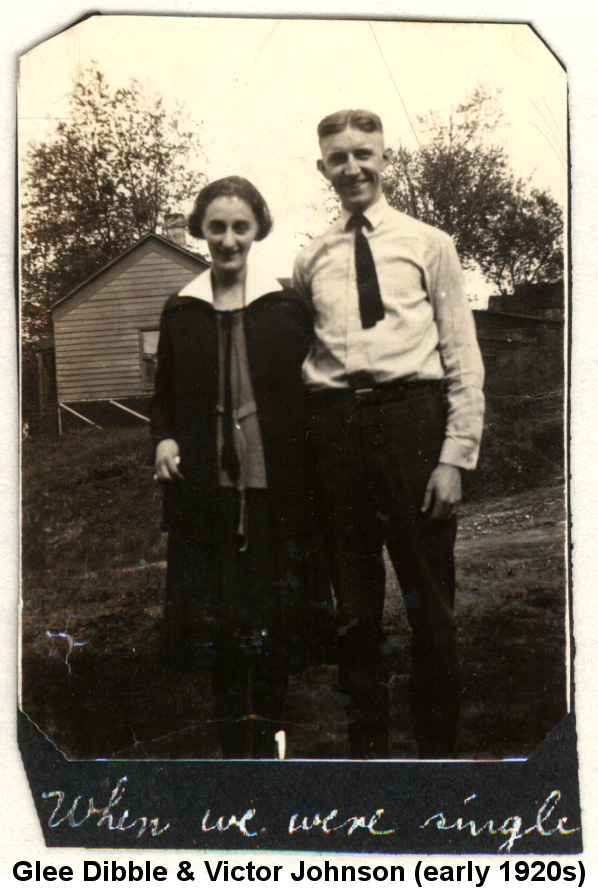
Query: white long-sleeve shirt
[(428, 331)]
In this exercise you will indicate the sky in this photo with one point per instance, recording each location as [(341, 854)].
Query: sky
[(259, 87)]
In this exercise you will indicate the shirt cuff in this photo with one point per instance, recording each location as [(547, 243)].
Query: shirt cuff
[(454, 452)]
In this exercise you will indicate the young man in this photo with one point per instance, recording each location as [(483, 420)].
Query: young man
[(395, 377)]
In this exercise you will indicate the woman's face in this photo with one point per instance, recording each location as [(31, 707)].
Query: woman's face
[(229, 227)]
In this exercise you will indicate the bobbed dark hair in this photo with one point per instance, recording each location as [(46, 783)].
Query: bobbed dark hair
[(238, 187)]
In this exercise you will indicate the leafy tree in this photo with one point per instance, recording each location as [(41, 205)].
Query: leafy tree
[(461, 181), (455, 180), (107, 176), (526, 243)]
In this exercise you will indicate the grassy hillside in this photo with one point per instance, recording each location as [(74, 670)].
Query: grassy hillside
[(90, 501)]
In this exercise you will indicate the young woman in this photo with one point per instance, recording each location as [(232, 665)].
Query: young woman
[(227, 419)]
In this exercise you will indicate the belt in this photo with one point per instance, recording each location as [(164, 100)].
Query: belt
[(361, 391)]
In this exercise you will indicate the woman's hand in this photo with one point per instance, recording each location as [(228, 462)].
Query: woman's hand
[(167, 461)]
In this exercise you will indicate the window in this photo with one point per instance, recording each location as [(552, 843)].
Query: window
[(149, 356)]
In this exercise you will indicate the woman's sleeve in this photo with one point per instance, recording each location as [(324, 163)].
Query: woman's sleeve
[(302, 317), (162, 408)]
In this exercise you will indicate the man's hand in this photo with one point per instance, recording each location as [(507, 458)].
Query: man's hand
[(167, 461), (443, 493)]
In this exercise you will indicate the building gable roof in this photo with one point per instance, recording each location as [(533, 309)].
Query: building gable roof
[(145, 245)]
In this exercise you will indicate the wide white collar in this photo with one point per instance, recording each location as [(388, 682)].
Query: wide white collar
[(258, 283)]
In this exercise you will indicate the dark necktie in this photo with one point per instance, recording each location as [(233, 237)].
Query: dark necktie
[(371, 308), (229, 458)]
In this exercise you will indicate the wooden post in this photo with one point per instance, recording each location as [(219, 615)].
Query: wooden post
[(79, 416), (132, 411), (40, 387)]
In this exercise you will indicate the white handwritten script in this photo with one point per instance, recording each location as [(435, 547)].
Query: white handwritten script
[(248, 825), (511, 826), (106, 817), (331, 823)]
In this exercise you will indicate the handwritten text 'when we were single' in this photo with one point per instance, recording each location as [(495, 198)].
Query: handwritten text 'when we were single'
[(250, 825)]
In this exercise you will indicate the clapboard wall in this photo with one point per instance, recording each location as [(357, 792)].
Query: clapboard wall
[(98, 327)]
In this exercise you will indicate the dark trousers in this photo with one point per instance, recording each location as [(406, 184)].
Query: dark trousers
[(375, 450)]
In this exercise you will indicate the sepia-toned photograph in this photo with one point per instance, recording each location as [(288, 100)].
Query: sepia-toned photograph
[(294, 345)]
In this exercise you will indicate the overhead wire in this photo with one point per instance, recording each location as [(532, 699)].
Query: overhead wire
[(395, 85)]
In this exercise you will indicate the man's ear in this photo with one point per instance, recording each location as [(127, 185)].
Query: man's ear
[(321, 168), (388, 155)]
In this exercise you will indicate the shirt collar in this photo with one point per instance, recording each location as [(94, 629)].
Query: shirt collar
[(258, 283), (374, 214)]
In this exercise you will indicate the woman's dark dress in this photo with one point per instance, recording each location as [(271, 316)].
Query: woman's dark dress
[(239, 612)]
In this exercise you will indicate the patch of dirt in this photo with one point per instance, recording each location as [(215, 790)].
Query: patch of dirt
[(93, 682)]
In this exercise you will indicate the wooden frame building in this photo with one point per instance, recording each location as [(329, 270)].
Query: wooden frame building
[(106, 330)]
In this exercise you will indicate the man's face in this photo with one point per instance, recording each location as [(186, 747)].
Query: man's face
[(353, 161)]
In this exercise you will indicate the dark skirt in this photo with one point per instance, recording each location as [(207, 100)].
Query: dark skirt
[(248, 588), (243, 608)]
